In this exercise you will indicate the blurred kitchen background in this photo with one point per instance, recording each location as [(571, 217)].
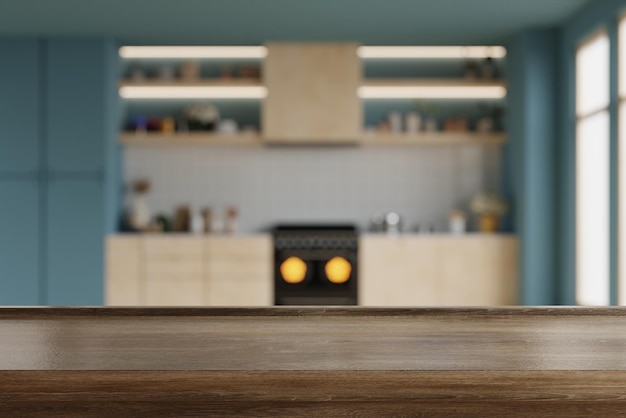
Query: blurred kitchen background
[(229, 153)]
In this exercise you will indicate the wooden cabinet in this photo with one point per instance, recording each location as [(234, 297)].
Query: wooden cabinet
[(174, 270), (161, 270), (467, 270), (434, 270), (240, 271), (124, 274), (392, 272), (312, 93)]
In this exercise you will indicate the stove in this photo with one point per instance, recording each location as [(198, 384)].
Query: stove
[(315, 264)]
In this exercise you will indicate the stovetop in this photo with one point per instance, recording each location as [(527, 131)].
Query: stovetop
[(315, 237), (305, 228)]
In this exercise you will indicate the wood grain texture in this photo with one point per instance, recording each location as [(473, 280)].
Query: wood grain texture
[(443, 138), (240, 271), (253, 139), (306, 394), (314, 339), (428, 82), (174, 270), (319, 361), (124, 271), (438, 270), (312, 92), (187, 270), (240, 139)]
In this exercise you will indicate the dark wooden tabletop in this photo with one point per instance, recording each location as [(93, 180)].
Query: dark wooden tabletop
[(312, 361), (312, 339)]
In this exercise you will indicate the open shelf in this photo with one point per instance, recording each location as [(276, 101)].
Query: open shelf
[(190, 138), (443, 82), (193, 89), (202, 82), (429, 88), (254, 139), (434, 139)]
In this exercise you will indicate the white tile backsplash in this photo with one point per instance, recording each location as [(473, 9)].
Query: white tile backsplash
[(272, 184)]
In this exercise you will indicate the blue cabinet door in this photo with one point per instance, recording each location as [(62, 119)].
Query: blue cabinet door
[(19, 105), (76, 105), (74, 242), (19, 242)]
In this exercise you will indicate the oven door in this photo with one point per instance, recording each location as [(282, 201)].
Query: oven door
[(315, 277)]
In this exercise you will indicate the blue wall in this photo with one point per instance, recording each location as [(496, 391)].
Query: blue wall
[(58, 178), (59, 161), (599, 14), (531, 162), (540, 171)]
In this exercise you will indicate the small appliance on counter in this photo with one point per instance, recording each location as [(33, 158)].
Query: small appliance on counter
[(315, 264), (389, 223)]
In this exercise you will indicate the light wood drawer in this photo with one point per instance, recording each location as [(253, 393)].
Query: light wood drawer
[(399, 271), (176, 246), (124, 271), (240, 291), (480, 273), (174, 257), (178, 292), (240, 249)]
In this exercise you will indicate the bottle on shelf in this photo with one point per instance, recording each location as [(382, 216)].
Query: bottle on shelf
[(413, 122)]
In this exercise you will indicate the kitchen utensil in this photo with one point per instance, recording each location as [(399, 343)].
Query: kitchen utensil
[(190, 70), (392, 223), (457, 221), (395, 122), (413, 122), (182, 219)]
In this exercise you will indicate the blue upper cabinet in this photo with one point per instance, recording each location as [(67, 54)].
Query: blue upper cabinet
[(75, 240), (19, 105), (77, 104), (19, 242)]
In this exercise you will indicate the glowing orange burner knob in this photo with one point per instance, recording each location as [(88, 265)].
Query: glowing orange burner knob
[(338, 270), (293, 270)]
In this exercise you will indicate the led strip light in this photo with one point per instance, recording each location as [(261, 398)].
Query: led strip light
[(137, 52), (432, 92), (193, 92), (433, 52)]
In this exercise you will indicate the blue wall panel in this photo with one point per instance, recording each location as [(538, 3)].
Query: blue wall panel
[(19, 242), (19, 105), (75, 242), (533, 90), (75, 105)]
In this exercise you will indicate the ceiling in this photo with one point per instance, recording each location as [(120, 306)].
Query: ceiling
[(255, 21)]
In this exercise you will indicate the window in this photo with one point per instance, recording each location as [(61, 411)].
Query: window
[(592, 172)]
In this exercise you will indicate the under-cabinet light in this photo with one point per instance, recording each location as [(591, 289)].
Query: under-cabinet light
[(398, 52), (191, 92), (432, 92), (193, 52)]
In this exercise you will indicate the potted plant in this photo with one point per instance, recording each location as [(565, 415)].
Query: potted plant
[(488, 207)]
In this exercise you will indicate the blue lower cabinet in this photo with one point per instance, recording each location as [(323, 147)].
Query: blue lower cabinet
[(19, 242), (75, 240)]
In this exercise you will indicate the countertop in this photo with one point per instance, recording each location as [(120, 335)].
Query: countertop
[(313, 361)]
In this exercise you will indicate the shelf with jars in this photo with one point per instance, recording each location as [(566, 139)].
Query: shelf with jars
[(408, 96)]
